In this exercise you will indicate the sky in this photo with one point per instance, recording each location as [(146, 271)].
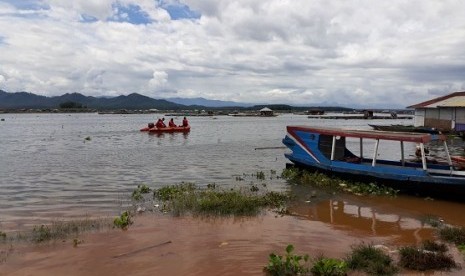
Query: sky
[(300, 52)]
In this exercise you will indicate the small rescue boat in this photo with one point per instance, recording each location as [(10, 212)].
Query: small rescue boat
[(149, 127), (170, 129)]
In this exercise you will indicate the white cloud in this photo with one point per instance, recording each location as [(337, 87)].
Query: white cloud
[(299, 52)]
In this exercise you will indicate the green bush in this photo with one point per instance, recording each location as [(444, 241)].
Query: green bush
[(329, 267), (454, 235), (123, 221), (422, 259), (137, 193), (371, 260), (290, 264)]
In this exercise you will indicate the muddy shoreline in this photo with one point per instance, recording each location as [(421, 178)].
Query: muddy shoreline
[(160, 244)]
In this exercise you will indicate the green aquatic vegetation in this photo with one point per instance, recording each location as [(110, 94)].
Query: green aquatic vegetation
[(433, 246), (371, 260), (461, 248), (2, 235), (321, 180), (454, 235), (186, 197), (329, 267), (144, 189), (430, 256), (137, 194), (260, 175), (291, 174), (62, 229), (173, 191), (432, 220), (254, 188), (289, 264), (41, 234), (77, 242), (123, 221)]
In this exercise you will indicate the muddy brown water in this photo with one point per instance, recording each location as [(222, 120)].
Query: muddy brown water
[(160, 244), (52, 172)]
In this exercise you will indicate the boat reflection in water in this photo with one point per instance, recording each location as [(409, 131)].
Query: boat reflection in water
[(399, 220)]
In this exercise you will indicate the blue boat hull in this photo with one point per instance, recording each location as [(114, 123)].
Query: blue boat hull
[(409, 177)]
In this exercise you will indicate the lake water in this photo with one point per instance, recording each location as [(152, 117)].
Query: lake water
[(69, 165)]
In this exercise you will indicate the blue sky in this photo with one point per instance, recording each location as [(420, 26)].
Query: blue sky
[(303, 52)]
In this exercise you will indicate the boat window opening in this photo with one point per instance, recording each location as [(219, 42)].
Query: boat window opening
[(387, 150), (325, 145)]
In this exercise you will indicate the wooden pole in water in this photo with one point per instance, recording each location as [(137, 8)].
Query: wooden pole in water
[(270, 148)]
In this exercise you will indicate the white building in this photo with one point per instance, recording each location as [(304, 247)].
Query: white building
[(445, 113)]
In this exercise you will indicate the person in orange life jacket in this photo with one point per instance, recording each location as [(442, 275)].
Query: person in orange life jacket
[(185, 123), (171, 123), (160, 123)]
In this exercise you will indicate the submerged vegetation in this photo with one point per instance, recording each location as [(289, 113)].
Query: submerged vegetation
[(59, 230), (188, 198), (455, 235), (321, 180), (137, 194)]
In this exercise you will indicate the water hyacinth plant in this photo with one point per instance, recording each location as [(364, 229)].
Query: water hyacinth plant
[(321, 180), (289, 264), (137, 194), (328, 266), (123, 221)]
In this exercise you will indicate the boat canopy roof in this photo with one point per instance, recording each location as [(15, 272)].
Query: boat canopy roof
[(371, 134)]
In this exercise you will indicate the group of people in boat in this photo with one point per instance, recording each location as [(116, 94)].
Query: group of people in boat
[(161, 123)]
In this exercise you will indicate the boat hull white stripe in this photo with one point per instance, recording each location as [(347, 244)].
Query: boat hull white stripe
[(296, 140)]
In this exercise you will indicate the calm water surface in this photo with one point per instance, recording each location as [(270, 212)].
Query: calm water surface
[(48, 169)]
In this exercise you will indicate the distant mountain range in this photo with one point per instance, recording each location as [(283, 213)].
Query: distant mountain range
[(206, 102), (134, 101), (25, 100)]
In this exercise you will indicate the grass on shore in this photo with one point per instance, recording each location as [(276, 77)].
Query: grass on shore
[(429, 256), (371, 260), (188, 198)]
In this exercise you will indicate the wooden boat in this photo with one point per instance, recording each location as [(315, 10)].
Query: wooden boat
[(324, 149), (405, 128)]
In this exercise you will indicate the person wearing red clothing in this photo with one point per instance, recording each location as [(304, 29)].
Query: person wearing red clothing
[(185, 123), (160, 123), (171, 123)]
